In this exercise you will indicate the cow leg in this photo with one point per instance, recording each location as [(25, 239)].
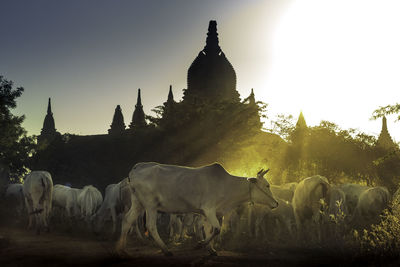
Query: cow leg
[(128, 220), (138, 232), (171, 226), (181, 227), (211, 218), (208, 232), (114, 220), (30, 210), (151, 224), (299, 226)]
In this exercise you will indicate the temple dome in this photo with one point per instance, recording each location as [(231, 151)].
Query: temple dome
[(211, 75)]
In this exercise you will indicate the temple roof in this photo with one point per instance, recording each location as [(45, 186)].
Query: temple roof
[(385, 140), (211, 75), (138, 117), (48, 124), (301, 121), (117, 125)]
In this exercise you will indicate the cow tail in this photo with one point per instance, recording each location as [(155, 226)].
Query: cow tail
[(49, 196), (91, 205), (44, 192), (326, 192)]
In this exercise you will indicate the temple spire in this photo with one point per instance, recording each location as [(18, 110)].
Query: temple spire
[(252, 98), (301, 122), (48, 124), (48, 131), (170, 95), (117, 125), (139, 100), (49, 107), (212, 42), (138, 118), (385, 140)]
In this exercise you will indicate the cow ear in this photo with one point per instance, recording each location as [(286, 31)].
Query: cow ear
[(262, 173), (252, 180)]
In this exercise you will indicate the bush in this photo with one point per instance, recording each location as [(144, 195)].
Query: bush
[(381, 240)]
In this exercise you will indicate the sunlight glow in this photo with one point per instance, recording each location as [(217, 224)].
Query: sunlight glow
[(336, 60)]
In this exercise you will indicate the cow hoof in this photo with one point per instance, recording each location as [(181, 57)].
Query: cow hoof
[(199, 245), (168, 253), (122, 254), (213, 252)]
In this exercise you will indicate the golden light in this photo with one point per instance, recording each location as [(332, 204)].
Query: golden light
[(335, 60)]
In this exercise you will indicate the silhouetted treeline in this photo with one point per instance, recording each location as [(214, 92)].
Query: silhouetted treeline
[(184, 134), (195, 133)]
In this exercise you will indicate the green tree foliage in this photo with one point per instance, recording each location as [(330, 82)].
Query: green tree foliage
[(282, 125), (209, 130), (15, 145), (340, 155), (386, 110)]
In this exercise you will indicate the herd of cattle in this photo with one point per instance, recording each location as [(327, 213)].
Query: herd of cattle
[(202, 201)]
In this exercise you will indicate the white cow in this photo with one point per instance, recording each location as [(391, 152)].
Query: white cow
[(396, 202), (282, 193), (66, 198), (264, 222), (15, 195), (291, 186), (370, 205), (89, 200), (308, 205), (38, 190), (337, 203), (117, 201), (352, 193), (283, 216), (210, 191)]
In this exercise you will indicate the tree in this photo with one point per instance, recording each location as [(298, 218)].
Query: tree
[(387, 110), (15, 146)]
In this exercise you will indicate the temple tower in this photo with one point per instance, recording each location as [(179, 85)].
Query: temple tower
[(170, 95), (385, 140), (251, 99), (211, 76), (301, 122), (117, 125), (300, 132), (170, 100), (138, 118), (48, 131)]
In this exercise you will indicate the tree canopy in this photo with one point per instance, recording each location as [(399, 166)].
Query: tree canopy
[(15, 145)]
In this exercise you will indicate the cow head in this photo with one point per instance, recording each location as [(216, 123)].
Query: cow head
[(260, 192)]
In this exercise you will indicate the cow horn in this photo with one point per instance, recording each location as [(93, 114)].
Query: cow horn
[(262, 172), (258, 173)]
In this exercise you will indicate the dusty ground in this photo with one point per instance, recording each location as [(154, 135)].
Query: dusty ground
[(20, 247)]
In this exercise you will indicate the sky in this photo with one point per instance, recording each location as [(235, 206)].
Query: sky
[(331, 59)]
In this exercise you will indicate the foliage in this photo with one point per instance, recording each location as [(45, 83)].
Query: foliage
[(283, 126), (332, 152), (15, 146), (386, 110), (383, 239)]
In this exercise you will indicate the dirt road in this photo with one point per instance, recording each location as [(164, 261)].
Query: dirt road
[(19, 247)]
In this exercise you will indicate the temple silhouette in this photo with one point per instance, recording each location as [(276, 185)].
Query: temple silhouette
[(210, 78), (187, 132), (211, 123)]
